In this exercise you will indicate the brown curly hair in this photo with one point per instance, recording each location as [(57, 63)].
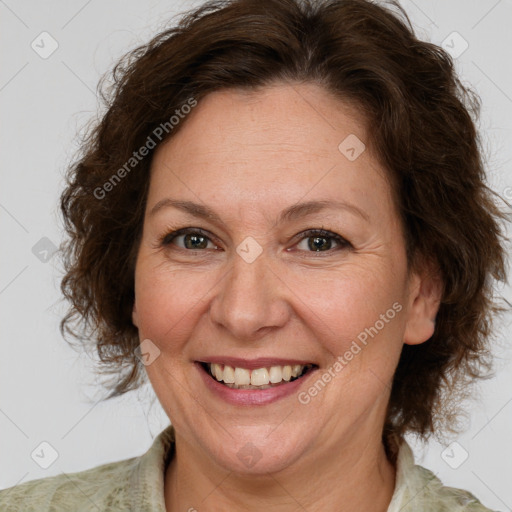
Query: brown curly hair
[(421, 121)]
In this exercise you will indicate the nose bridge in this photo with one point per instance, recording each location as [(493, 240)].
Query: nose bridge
[(250, 299)]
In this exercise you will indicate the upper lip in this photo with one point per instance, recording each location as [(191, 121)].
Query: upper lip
[(252, 364)]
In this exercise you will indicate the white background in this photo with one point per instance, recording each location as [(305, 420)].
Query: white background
[(47, 391)]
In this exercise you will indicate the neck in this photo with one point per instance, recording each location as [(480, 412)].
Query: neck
[(356, 476)]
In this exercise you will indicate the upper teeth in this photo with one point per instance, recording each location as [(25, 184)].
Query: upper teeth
[(257, 377)]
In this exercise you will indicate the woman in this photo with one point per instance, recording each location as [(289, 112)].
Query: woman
[(282, 219)]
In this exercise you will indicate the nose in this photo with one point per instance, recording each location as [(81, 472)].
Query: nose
[(251, 300)]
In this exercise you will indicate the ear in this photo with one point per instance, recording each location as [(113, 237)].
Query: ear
[(135, 317), (425, 293)]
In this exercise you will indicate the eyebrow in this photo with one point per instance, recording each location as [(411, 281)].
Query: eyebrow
[(291, 213)]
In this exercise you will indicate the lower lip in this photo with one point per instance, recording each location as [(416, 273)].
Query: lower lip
[(250, 396)]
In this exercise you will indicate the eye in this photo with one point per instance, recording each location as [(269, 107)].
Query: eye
[(313, 240), (191, 238), (320, 240)]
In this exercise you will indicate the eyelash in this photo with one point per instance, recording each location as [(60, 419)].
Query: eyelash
[(167, 238)]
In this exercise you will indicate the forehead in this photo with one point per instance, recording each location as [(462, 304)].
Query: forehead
[(300, 117), (279, 143)]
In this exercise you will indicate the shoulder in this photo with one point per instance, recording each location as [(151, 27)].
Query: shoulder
[(441, 498), (94, 489), (136, 483), (418, 489)]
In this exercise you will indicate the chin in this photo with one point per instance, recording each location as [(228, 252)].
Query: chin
[(258, 450)]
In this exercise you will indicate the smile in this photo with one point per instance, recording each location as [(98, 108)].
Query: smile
[(257, 378), (253, 382)]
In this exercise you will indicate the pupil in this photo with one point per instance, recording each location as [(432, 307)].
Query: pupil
[(197, 241), (317, 243)]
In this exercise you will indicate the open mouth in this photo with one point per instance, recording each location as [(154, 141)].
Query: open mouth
[(259, 378)]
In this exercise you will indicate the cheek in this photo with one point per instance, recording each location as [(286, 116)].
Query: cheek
[(343, 303), (168, 302), (359, 323)]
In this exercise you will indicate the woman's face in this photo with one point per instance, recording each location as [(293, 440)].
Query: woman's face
[(246, 288)]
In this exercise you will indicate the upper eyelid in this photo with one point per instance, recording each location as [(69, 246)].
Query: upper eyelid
[(185, 231), (307, 233)]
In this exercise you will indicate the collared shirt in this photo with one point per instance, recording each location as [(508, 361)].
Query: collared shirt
[(137, 484)]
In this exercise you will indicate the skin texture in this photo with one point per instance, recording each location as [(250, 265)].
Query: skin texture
[(248, 156)]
